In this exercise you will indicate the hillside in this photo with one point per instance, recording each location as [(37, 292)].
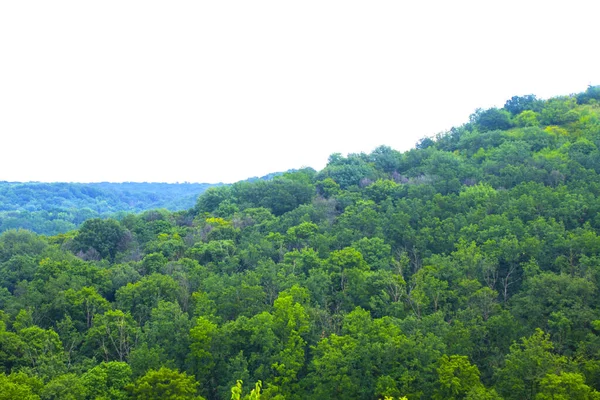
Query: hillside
[(52, 208), (466, 268)]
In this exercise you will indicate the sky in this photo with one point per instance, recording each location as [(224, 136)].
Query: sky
[(219, 91)]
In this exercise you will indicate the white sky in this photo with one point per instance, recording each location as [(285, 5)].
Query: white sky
[(209, 91)]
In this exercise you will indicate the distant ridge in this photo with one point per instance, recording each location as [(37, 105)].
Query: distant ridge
[(55, 207)]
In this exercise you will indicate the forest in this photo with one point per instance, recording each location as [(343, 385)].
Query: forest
[(59, 207), (465, 268)]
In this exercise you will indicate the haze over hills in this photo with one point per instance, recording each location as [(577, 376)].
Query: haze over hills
[(465, 268), (58, 207)]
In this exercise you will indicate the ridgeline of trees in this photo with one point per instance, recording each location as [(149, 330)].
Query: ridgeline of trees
[(466, 268), (53, 208)]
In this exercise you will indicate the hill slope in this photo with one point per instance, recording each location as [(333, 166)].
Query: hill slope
[(51, 208), (467, 268)]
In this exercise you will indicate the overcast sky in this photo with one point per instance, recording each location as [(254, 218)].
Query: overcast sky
[(218, 91)]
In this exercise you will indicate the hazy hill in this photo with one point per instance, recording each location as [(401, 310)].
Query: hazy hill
[(51, 208)]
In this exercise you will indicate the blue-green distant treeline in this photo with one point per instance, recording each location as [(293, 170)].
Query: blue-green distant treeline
[(51, 208)]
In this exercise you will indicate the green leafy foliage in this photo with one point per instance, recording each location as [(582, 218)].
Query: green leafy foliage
[(466, 268), (51, 208), (164, 384)]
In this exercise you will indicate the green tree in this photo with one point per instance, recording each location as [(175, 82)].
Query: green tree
[(591, 93), (526, 365), (20, 242), (107, 380), (527, 118), (491, 119), (565, 386), (42, 351), (141, 297), (67, 387), (559, 110), (212, 198), (291, 328), (112, 336), (164, 384), (518, 104), (202, 337), (347, 271), (104, 237), (457, 377), (19, 386), (169, 328), (84, 304), (236, 391)]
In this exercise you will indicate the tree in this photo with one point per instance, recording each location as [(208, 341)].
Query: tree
[(42, 351), (457, 377), (428, 291), (328, 188), (517, 104), (279, 195), (526, 365), (106, 237), (559, 110), (107, 380), (347, 270), (291, 327), (67, 387), (560, 303), (141, 297), (590, 94), (527, 118), (20, 242), (565, 386), (19, 386), (347, 171), (300, 236), (164, 384), (169, 329), (202, 337), (212, 198), (153, 263), (11, 348), (236, 391), (491, 119), (113, 335), (334, 376), (84, 304)]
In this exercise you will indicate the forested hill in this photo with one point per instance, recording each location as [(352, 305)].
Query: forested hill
[(466, 268), (52, 208)]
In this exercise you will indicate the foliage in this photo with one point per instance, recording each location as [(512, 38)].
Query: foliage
[(164, 384), (466, 268)]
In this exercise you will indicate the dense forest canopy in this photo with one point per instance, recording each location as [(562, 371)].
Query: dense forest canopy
[(53, 208), (466, 268)]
